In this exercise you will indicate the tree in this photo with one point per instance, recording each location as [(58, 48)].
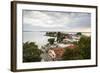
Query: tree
[(31, 53), (60, 37), (79, 33), (71, 54), (51, 34), (82, 51), (51, 41), (85, 47)]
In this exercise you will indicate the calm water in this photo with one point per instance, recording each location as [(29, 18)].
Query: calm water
[(39, 37)]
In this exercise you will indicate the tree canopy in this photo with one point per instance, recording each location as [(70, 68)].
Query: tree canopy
[(31, 53), (82, 51)]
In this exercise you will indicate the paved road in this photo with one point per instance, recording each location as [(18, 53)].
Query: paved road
[(45, 57)]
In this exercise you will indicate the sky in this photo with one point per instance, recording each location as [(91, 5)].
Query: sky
[(56, 21)]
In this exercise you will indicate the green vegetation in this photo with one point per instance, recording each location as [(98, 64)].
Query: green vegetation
[(51, 41), (82, 51), (51, 34), (71, 54), (85, 47), (79, 33), (60, 37), (31, 53)]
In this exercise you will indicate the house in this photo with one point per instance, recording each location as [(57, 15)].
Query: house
[(52, 53), (59, 53), (56, 53), (71, 38)]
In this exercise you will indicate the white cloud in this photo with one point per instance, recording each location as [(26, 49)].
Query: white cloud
[(51, 21), (36, 18), (41, 23)]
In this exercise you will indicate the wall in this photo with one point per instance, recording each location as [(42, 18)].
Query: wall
[(5, 38)]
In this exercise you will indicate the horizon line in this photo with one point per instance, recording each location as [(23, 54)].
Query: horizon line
[(54, 31)]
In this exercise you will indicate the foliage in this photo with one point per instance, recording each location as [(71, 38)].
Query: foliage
[(51, 41), (60, 37), (71, 54), (51, 34), (31, 53), (79, 33), (85, 47), (82, 51)]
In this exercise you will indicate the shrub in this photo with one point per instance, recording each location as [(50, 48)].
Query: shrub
[(71, 54), (51, 41), (31, 53)]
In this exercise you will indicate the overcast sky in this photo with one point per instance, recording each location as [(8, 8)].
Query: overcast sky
[(56, 21)]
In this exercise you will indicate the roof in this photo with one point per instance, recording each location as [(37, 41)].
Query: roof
[(59, 52)]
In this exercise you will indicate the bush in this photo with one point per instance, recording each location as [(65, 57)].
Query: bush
[(71, 54), (51, 41), (82, 51), (31, 53), (79, 33), (85, 47)]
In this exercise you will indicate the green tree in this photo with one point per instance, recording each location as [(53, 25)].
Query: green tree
[(51, 41), (31, 53), (51, 34), (85, 47), (71, 54), (59, 37), (82, 51), (79, 33)]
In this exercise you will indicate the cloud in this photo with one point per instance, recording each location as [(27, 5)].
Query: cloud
[(51, 21)]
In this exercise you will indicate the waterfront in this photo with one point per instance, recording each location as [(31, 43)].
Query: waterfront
[(56, 46), (40, 38)]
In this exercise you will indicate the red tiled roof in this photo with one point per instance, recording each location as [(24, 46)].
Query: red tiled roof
[(59, 52)]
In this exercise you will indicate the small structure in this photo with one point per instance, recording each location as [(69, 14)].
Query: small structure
[(71, 38), (56, 53), (59, 53), (52, 54)]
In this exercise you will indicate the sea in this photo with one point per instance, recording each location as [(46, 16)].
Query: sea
[(40, 38)]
